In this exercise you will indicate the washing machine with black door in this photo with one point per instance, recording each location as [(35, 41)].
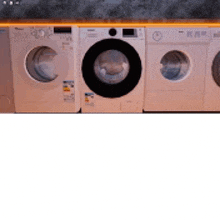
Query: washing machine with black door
[(112, 62)]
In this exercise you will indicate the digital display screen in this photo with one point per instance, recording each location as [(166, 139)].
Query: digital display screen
[(128, 32), (62, 30)]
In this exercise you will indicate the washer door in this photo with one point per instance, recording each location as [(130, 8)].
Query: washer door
[(41, 64), (216, 69), (111, 68), (175, 65)]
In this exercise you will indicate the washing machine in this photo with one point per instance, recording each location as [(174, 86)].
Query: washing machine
[(112, 62), (212, 79), (175, 68), (6, 78), (44, 60)]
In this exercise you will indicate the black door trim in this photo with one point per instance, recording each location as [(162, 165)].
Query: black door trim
[(111, 90), (215, 69)]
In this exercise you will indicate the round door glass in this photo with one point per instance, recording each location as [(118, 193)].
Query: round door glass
[(111, 67), (175, 65), (216, 69), (41, 64)]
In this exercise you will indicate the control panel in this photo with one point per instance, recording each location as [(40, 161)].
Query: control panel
[(215, 33), (41, 32), (59, 33), (96, 33), (177, 35)]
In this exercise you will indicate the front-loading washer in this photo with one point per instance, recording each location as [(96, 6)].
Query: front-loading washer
[(44, 60), (212, 79), (112, 62), (175, 68), (6, 78)]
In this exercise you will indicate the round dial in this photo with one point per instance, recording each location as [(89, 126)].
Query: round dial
[(157, 35), (41, 33)]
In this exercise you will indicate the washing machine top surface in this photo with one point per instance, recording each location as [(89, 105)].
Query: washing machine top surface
[(178, 35)]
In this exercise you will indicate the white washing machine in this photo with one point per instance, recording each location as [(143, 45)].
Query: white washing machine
[(175, 68), (44, 60), (112, 64), (6, 78), (212, 80)]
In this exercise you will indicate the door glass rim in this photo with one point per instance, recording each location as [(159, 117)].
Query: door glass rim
[(184, 65), (31, 66)]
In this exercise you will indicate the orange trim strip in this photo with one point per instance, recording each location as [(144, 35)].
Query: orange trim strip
[(169, 23)]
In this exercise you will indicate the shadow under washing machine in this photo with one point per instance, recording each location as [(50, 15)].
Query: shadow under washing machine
[(112, 63), (6, 78), (44, 68), (175, 68)]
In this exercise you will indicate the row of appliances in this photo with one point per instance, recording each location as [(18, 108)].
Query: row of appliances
[(66, 68)]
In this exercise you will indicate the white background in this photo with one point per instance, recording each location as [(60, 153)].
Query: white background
[(109, 166)]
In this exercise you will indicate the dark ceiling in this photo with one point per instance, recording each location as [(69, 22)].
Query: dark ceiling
[(110, 9)]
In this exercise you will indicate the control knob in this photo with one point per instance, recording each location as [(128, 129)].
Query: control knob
[(157, 35), (41, 33)]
